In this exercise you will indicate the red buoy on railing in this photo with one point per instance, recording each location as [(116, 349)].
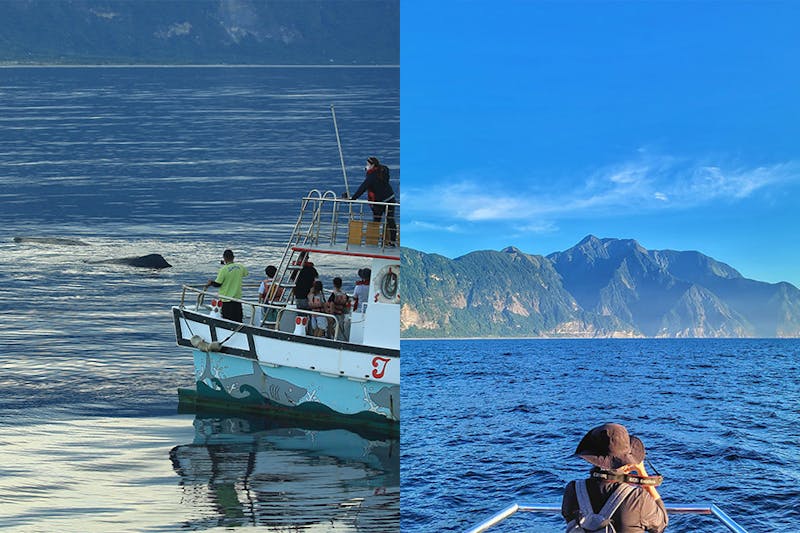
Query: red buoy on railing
[(300, 323), (216, 308)]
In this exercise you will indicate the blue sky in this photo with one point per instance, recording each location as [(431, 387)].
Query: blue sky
[(534, 124)]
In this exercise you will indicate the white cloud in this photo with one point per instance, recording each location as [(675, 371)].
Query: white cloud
[(712, 182), (468, 201), (647, 183), (427, 226), (538, 227)]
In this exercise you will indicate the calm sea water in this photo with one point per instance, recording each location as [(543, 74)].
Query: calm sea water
[(490, 422), (183, 162)]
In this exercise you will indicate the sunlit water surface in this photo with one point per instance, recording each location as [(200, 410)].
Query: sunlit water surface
[(184, 163)]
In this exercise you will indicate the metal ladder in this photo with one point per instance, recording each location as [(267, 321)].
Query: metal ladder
[(291, 263)]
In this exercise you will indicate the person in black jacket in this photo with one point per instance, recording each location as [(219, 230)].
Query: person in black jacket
[(376, 184), (304, 282)]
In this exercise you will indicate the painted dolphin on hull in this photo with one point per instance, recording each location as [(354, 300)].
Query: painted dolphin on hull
[(144, 261), (388, 398)]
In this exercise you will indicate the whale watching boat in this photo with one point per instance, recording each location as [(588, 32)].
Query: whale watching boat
[(270, 362)]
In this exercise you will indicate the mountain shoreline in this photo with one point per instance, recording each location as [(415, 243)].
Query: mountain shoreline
[(599, 288), (204, 32)]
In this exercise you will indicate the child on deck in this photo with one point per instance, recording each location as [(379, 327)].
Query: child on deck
[(337, 306), (316, 302), (268, 292)]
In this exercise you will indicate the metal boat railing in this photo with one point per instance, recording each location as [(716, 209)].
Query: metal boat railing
[(336, 225), (709, 509), (280, 309), (325, 220)]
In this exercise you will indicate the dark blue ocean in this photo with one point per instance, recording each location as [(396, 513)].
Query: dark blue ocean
[(183, 162), (487, 423)]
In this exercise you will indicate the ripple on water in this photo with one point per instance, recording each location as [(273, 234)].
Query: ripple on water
[(705, 423), (180, 162)]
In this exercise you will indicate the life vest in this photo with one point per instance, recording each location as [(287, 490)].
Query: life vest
[(317, 302), (589, 521), (355, 294), (277, 292), (267, 283), (339, 302)]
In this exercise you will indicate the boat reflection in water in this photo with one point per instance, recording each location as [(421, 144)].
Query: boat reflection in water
[(243, 471)]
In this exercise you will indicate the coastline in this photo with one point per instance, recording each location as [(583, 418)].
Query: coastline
[(186, 65)]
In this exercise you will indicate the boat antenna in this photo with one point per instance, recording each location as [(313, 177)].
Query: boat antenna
[(341, 156)]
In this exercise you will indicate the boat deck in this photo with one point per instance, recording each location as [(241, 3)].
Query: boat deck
[(351, 226), (361, 250)]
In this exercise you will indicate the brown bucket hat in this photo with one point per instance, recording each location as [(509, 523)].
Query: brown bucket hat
[(610, 447)]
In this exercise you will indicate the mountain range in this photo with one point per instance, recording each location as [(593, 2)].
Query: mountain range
[(597, 288), (304, 32)]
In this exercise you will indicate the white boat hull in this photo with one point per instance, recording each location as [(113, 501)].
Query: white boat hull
[(256, 368)]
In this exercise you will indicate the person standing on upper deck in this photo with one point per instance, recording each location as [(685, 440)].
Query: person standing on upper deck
[(229, 281), (376, 183)]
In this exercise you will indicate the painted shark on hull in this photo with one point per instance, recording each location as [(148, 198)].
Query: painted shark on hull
[(274, 389)]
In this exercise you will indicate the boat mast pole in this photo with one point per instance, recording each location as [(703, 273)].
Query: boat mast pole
[(341, 156)]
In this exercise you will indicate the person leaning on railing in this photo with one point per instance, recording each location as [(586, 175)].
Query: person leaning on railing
[(616, 455), (269, 292), (229, 281), (376, 184), (265, 288), (337, 305), (316, 302)]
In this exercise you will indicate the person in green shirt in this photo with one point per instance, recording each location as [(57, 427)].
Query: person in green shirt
[(229, 281)]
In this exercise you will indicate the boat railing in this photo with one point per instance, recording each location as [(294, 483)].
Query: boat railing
[(331, 221), (708, 509), (280, 310), (336, 225)]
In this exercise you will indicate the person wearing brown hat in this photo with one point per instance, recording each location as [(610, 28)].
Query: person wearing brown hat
[(632, 502)]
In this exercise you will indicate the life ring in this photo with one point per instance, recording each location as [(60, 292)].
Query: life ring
[(386, 285)]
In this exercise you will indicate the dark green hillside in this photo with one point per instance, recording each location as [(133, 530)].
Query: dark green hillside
[(599, 287), (319, 32), (487, 293)]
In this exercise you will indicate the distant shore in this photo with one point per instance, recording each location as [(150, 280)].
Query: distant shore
[(176, 65)]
